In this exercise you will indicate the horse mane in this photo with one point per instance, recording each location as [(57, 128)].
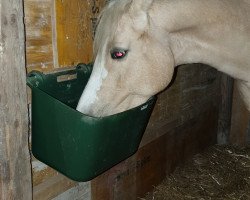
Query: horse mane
[(108, 20)]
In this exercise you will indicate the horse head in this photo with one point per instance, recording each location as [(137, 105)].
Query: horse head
[(131, 62)]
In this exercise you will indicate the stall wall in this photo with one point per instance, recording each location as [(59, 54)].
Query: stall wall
[(59, 33)]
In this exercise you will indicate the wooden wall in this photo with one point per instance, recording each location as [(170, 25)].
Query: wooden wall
[(15, 176), (60, 34), (39, 43)]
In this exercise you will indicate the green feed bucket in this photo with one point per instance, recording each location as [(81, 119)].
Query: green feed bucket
[(79, 146)]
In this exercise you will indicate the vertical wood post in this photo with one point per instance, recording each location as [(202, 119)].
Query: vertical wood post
[(225, 109), (15, 168), (240, 123)]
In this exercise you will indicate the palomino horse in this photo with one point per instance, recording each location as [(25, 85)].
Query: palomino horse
[(139, 42)]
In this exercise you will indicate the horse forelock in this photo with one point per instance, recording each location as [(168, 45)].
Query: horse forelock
[(108, 22)]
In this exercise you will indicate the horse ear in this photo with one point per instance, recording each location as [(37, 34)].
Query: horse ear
[(139, 13)]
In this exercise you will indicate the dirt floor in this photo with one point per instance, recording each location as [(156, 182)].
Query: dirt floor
[(219, 173)]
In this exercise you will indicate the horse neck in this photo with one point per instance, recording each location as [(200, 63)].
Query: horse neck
[(199, 31)]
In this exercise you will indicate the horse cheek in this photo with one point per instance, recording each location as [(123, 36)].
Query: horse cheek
[(164, 63)]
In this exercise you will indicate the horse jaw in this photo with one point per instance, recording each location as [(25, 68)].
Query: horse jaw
[(99, 99)]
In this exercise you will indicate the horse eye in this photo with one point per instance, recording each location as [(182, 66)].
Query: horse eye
[(118, 54)]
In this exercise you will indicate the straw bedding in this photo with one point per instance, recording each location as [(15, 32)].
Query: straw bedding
[(219, 173)]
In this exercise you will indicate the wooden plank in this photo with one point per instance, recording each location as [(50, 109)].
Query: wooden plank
[(82, 190), (38, 25), (41, 172), (225, 112), (75, 22), (248, 132), (15, 168), (52, 187), (240, 120)]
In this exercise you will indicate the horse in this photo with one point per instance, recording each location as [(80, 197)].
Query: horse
[(138, 43)]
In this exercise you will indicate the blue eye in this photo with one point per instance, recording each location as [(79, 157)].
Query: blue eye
[(118, 53)]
